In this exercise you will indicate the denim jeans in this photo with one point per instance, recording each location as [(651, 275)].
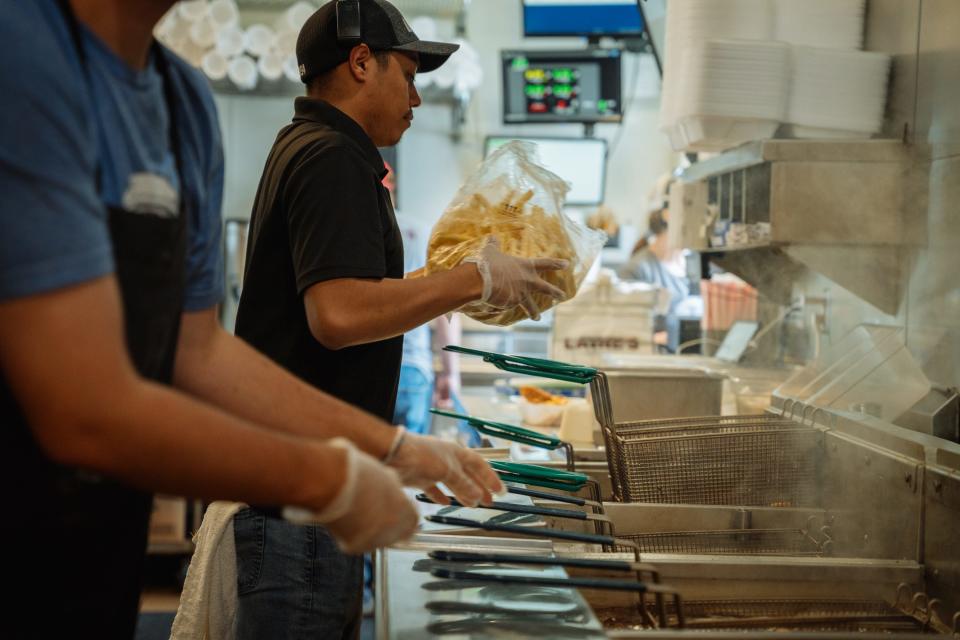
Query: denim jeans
[(293, 582), (414, 394)]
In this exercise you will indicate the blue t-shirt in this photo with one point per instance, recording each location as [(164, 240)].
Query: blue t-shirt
[(58, 124)]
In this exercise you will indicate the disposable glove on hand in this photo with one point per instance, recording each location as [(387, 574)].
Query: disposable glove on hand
[(423, 461), (509, 281), (370, 511)]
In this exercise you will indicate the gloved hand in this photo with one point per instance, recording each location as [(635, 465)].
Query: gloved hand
[(370, 511), (423, 461), (509, 281)]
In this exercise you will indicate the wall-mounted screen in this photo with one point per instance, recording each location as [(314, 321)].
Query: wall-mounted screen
[(562, 86), (580, 161), (587, 18)]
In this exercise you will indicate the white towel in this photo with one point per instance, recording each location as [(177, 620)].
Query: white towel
[(208, 604)]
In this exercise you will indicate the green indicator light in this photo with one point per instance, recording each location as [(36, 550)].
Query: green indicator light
[(520, 64), (601, 105)]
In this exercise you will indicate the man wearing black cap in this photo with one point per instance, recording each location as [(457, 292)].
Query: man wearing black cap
[(324, 290)]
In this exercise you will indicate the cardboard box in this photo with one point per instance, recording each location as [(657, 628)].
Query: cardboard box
[(168, 522)]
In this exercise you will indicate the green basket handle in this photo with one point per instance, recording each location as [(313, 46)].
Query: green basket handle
[(506, 431), (532, 366), (539, 476)]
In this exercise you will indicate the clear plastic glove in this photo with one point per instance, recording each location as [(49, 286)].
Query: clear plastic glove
[(509, 281), (370, 511), (424, 461)]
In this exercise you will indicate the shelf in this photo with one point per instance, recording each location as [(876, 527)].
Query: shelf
[(847, 209), (745, 247), (433, 8), (170, 548)]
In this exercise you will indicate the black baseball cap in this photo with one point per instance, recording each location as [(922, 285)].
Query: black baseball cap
[(382, 28)]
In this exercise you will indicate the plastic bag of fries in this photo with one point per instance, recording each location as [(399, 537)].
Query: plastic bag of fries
[(520, 204)]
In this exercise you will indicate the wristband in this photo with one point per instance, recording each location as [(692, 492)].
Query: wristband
[(395, 445)]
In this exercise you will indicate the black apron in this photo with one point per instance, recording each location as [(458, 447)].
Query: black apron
[(76, 541)]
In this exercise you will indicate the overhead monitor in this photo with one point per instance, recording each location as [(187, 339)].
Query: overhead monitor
[(562, 86), (580, 161), (587, 18)]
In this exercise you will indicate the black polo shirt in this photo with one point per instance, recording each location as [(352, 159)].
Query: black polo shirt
[(321, 213)]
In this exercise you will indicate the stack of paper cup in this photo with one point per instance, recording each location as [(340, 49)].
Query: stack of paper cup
[(203, 33), (257, 39), (193, 10), (224, 13), (242, 71), (230, 41), (214, 65), (270, 66)]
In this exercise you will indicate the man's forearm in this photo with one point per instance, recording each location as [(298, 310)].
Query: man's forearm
[(348, 312), (161, 440), (226, 371)]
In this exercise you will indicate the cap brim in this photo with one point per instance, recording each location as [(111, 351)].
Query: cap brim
[(432, 54)]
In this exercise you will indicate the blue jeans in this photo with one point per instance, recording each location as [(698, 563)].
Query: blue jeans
[(293, 582), (414, 395)]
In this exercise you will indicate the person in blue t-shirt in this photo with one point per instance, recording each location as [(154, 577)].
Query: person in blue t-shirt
[(115, 377)]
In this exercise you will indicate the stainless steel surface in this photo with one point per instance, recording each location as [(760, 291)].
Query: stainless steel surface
[(649, 393), (405, 588), (893, 27), (833, 615), (674, 634), (938, 77), (814, 197)]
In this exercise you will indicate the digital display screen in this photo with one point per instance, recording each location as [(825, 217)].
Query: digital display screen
[(558, 86), (614, 18), (580, 161)]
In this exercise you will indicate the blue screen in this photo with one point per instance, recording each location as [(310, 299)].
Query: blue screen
[(585, 18)]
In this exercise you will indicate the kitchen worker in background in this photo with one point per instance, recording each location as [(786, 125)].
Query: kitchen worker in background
[(656, 262), (115, 377), (324, 291), (419, 388)]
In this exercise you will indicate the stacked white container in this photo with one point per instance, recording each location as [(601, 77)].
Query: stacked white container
[(208, 35), (830, 24), (836, 93), (691, 25), (731, 91), (736, 69)]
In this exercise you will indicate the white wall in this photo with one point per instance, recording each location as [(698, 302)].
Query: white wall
[(431, 165)]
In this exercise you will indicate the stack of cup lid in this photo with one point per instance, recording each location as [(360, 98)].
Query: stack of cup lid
[(730, 92), (691, 24), (836, 93), (831, 24)]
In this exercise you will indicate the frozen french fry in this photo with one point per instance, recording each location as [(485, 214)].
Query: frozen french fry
[(527, 220)]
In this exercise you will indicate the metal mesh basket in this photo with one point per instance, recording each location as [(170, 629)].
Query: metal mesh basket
[(792, 542), (738, 460), (799, 614), (780, 615)]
